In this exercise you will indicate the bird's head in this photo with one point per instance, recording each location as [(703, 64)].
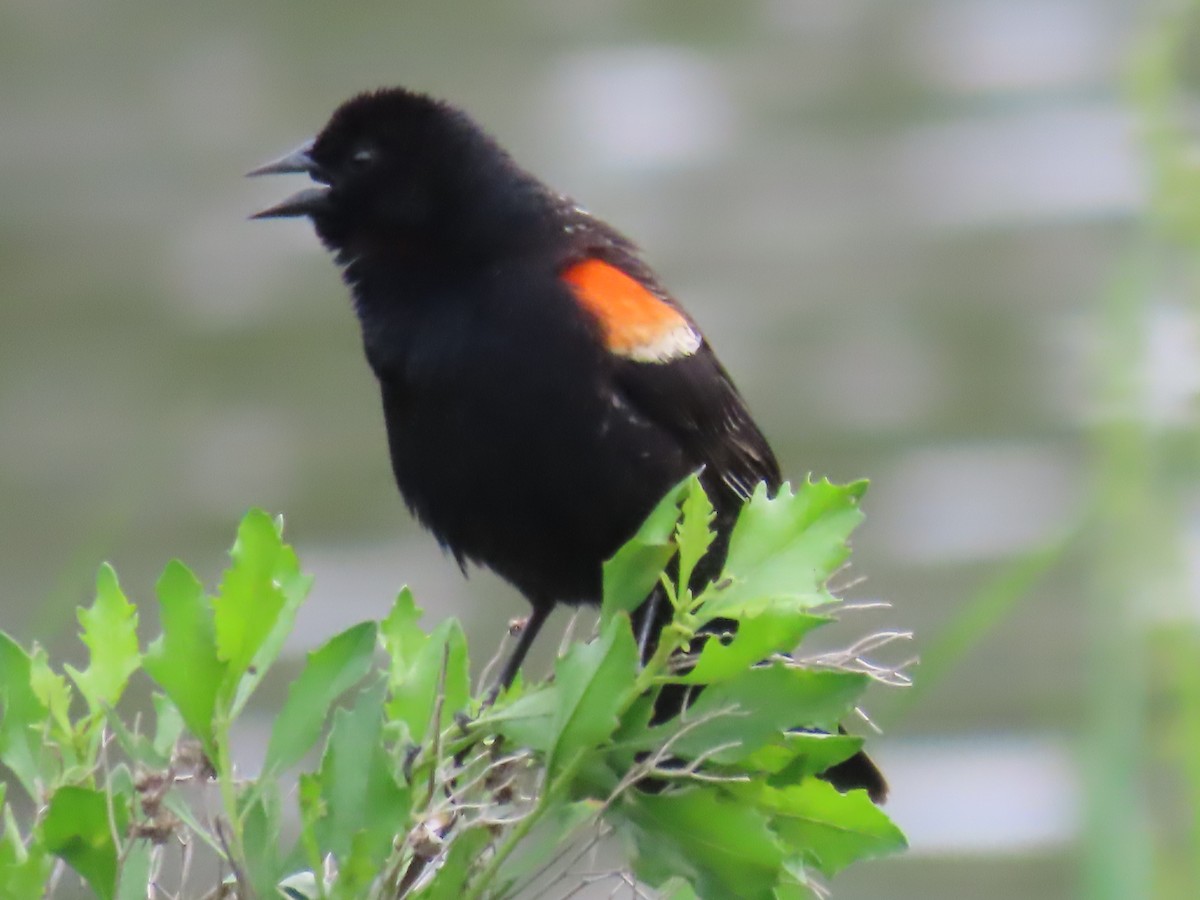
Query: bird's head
[(397, 165)]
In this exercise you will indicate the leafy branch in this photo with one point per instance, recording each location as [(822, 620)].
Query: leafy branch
[(426, 790)]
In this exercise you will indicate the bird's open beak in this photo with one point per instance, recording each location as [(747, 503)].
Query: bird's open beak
[(303, 203)]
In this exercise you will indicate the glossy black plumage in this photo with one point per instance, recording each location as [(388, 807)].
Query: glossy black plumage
[(529, 431)]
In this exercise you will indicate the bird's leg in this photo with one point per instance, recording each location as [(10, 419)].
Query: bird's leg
[(512, 665)]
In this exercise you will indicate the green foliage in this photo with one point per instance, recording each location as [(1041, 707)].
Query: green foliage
[(423, 789), (76, 828)]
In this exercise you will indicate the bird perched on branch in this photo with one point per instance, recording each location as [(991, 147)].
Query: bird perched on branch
[(541, 388)]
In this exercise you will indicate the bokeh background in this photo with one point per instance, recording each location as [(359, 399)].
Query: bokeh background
[(944, 244)]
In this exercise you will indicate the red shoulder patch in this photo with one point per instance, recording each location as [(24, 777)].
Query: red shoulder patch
[(635, 322)]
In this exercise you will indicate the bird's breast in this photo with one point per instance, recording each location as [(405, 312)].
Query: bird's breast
[(509, 441)]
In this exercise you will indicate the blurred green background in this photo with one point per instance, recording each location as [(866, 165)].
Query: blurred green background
[(948, 245)]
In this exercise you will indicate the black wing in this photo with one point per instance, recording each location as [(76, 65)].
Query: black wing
[(692, 397), (694, 400)]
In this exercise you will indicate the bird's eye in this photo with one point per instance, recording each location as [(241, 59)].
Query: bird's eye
[(362, 158)]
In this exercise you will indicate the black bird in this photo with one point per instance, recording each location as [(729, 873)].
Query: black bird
[(541, 389)]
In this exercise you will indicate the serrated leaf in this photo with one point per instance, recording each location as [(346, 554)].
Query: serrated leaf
[(414, 684), (110, 633), (636, 719), (529, 721), (634, 570), (759, 706), (774, 629), (330, 671), (168, 725), (828, 829), (799, 754), (722, 847), (577, 708), (592, 683), (249, 601), (260, 820), (785, 548), (401, 633), (23, 870), (183, 660), (51, 690), (76, 829), (256, 604), (22, 716), (694, 533), (358, 789)]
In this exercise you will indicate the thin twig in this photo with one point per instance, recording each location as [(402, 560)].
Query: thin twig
[(599, 832), (435, 725), (486, 674), (568, 633), (647, 766), (858, 606)]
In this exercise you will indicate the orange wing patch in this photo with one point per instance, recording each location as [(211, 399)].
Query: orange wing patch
[(636, 324)]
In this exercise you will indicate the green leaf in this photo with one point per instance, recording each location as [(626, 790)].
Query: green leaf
[(676, 889), (134, 873), (799, 754), (23, 870), (694, 533), (357, 869), (592, 682), (758, 706), (464, 853), (635, 569), (798, 884), (724, 848), (785, 548), (827, 828), (151, 752), (183, 660), (330, 671), (77, 830), (401, 632), (22, 717), (110, 633), (260, 836), (529, 720), (357, 785), (774, 629), (415, 677), (312, 811), (138, 747), (256, 604), (52, 691), (168, 726)]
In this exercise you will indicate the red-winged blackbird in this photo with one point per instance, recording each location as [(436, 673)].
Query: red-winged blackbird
[(541, 389)]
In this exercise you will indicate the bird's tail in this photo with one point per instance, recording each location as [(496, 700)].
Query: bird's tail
[(859, 771)]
